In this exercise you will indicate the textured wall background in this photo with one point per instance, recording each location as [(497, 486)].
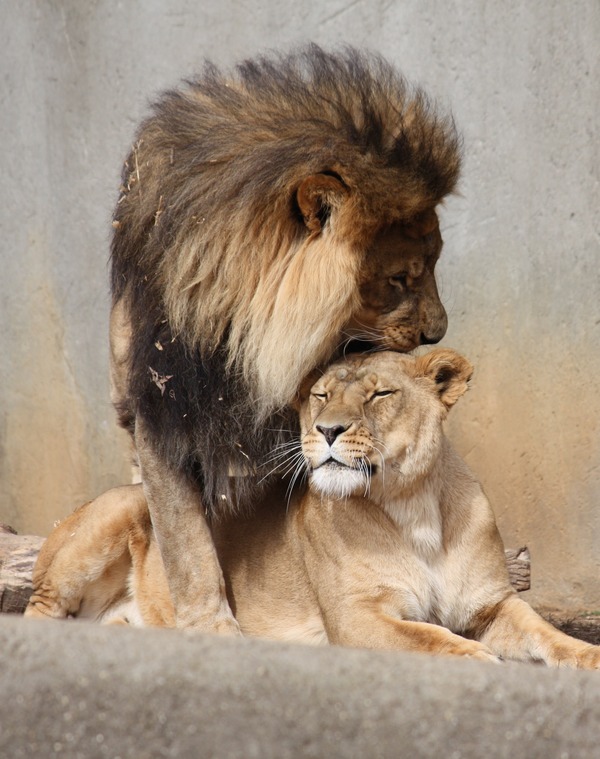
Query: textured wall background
[(519, 275)]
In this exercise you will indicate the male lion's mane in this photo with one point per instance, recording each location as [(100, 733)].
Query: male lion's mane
[(231, 298)]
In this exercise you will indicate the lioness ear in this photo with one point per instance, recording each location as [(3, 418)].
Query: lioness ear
[(449, 370), (316, 196)]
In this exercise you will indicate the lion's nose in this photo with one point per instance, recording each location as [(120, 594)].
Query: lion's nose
[(431, 339), (436, 327), (331, 433)]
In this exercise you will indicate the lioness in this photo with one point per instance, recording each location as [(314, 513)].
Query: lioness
[(392, 545)]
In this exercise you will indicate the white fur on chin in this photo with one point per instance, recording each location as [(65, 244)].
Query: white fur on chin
[(338, 482)]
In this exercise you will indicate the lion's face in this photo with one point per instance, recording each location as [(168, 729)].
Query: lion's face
[(377, 417), (400, 305)]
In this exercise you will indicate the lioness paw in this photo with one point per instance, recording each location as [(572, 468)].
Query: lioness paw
[(488, 656), (577, 656), (589, 658), (472, 649), (45, 610), (482, 653)]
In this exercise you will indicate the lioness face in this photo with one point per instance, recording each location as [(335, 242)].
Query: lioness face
[(400, 305), (377, 417)]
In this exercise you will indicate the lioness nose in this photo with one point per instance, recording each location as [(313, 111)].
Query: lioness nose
[(331, 433)]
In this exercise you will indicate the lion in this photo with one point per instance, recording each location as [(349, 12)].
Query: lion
[(267, 219), (393, 545)]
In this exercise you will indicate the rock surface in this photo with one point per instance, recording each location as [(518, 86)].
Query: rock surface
[(71, 689)]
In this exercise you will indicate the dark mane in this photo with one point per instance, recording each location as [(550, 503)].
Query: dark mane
[(207, 207)]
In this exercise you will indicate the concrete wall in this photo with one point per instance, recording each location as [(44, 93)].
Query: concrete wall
[(519, 275)]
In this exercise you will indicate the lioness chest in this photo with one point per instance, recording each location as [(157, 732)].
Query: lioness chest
[(330, 563), (353, 550)]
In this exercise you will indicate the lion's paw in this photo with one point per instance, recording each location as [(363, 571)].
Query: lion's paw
[(227, 627), (219, 624)]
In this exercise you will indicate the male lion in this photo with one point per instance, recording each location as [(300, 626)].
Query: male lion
[(393, 545), (266, 219)]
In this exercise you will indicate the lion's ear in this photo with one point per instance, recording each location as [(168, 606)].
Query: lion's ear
[(449, 371), (317, 196)]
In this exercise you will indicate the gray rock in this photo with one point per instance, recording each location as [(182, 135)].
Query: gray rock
[(72, 689)]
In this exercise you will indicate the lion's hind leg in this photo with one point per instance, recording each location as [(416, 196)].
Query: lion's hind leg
[(84, 566), (514, 630)]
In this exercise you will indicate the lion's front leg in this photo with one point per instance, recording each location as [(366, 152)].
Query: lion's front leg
[(516, 631), (186, 546)]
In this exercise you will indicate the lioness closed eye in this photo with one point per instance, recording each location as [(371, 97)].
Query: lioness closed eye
[(392, 545)]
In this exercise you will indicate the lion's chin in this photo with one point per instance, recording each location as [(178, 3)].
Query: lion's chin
[(338, 481), (399, 344)]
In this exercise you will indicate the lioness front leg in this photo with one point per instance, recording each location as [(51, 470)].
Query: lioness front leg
[(185, 542), (516, 631), (384, 631)]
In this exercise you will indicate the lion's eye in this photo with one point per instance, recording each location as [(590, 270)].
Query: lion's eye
[(320, 396), (399, 280)]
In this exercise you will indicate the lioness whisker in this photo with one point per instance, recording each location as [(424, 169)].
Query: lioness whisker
[(295, 461), (375, 443), (301, 469), (286, 465), (290, 462), (282, 451), (365, 468), (381, 443)]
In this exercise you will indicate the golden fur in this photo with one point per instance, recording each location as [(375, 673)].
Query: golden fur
[(246, 270), (267, 217), (393, 545)]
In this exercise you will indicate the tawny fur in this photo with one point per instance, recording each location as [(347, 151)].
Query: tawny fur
[(266, 218), (261, 218), (393, 545)]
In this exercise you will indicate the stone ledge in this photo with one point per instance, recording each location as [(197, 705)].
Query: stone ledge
[(73, 689)]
